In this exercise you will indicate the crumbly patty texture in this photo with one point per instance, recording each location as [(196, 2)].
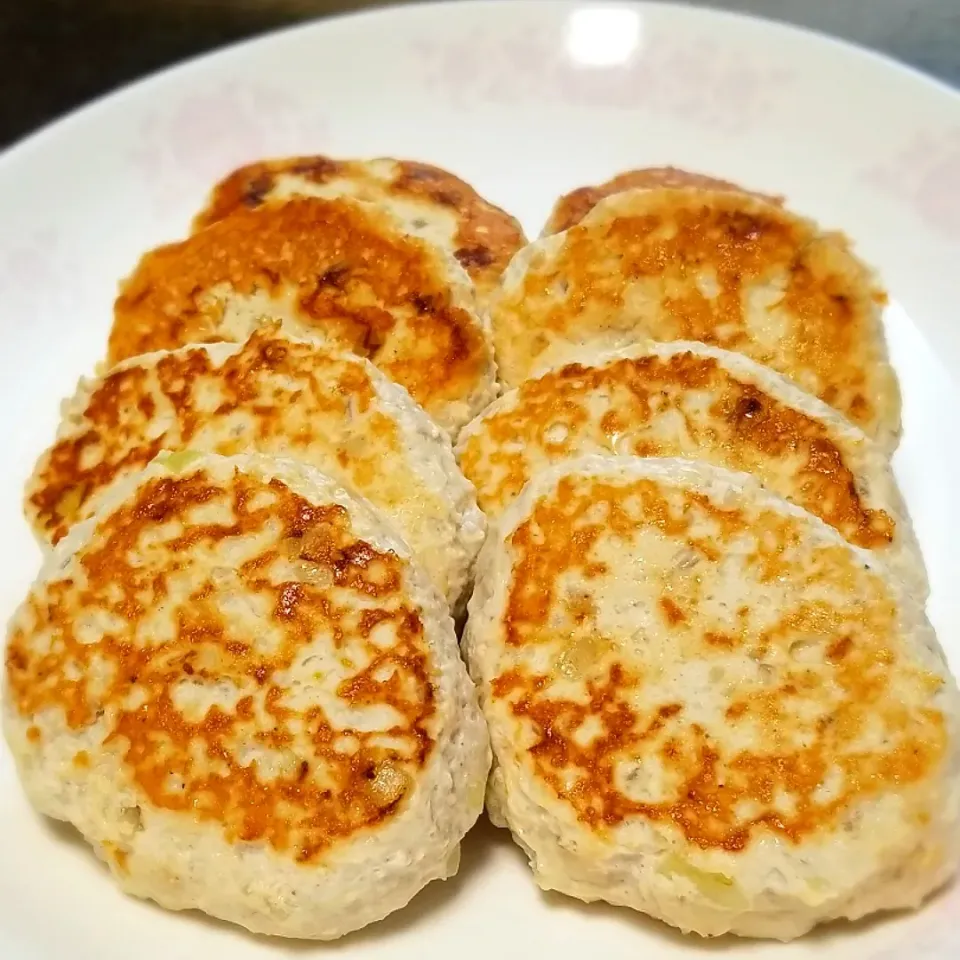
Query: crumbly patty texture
[(431, 203), (273, 395), (707, 706), (688, 400), (239, 687), (336, 269), (572, 207), (720, 267)]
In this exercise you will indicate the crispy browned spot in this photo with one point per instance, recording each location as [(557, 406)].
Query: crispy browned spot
[(371, 290), (672, 611), (723, 640), (744, 429), (571, 208), (809, 725), (194, 765), (251, 185), (486, 237)]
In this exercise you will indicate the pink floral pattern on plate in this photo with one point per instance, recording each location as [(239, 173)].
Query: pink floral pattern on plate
[(701, 82), (37, 274), (925, 174), (208, 134)]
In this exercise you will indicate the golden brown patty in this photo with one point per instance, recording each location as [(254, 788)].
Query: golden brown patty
[(723, 268), (705, 705), (272, 395), (481, 236), (274, 536), (336, 269), (689, 400), (563, 542), (572, 207), (240, 688)]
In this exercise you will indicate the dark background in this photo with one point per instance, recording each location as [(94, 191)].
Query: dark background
[(58, 54)]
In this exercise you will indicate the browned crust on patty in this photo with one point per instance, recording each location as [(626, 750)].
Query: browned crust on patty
[(351, 278), (487, 237), (572, 207), (811, 720), (635, 273), (194, 765), (282, 385), (745, 429)]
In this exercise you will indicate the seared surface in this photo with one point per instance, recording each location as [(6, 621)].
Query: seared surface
[(237, 685), (718, 267), (271, 395), (431, 202), (707, 706), (572, 207), (688, 400), (335, 269)]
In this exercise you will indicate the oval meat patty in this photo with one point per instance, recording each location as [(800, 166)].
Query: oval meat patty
[(572, 207), (239, 688), (271, 395), (706, 706), (429, 202), (688, 400), (723, 268), (340, 270)]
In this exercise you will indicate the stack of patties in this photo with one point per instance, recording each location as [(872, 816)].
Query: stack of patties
[(372, 257), (237, 674), (698, 630)]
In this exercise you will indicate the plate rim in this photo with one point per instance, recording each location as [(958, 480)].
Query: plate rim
[(404, 9), (123, 99)]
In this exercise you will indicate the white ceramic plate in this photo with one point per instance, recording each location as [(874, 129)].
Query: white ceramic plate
[(526, 100)]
